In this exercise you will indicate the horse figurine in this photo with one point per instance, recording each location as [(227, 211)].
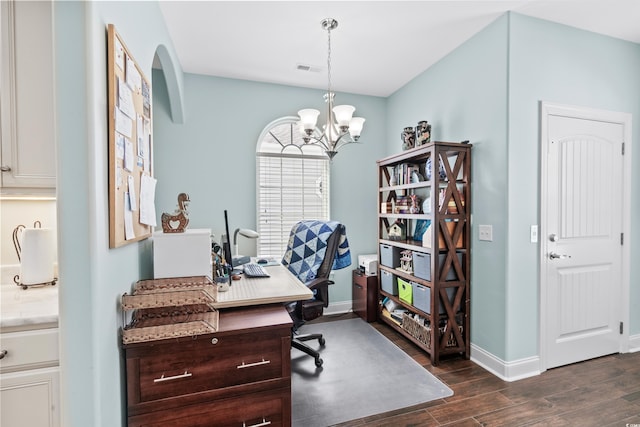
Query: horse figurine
[(415, 204), (177, 222)]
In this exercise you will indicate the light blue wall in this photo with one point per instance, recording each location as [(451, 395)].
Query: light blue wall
[(212, 157), (489, 91), (556, 63), (464, 96), (93, 277)]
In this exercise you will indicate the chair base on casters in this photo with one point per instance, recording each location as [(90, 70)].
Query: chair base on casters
[(296, 342)]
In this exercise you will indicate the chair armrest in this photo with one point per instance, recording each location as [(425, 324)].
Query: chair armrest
[(318, 283), (321, 288)]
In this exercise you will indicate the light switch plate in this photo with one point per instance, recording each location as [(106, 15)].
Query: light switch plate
[(485, 232)]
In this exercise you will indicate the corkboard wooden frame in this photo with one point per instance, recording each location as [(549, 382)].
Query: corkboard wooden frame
[(124, 75)]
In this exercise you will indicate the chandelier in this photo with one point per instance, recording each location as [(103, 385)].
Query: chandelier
[(341, 128)]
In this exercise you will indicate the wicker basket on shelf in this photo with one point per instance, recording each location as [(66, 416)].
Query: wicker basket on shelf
[(422, 333)]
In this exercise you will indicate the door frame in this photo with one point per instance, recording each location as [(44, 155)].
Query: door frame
[(625, 119)]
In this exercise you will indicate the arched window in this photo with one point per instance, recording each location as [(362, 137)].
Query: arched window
[(293, 184)]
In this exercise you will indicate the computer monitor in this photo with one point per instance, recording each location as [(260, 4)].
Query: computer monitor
[(226, 247)]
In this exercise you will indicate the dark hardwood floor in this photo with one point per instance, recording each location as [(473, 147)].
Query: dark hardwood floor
[(598, 392)]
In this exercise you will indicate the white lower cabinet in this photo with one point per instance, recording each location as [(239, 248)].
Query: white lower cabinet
[(30, 379), (30, 398)]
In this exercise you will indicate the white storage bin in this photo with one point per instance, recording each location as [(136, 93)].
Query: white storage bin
[(182, 254)]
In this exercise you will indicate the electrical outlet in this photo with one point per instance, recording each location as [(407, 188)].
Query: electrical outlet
[(534, 234), (485, 232)]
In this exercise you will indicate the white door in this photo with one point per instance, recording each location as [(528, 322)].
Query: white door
[(581, 230)]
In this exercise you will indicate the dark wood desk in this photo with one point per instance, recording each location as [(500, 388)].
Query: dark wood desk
[(240, 375)]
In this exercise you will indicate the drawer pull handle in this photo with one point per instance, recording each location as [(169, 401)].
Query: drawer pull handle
[(250, 365), (3, 353), (174, 377), (263, 423)]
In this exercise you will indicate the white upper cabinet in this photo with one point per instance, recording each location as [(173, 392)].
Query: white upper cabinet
[(27, 98)]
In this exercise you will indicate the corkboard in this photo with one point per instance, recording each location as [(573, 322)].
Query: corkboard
[(130, 146)]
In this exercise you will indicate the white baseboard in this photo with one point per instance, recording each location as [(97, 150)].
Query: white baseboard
[(634, 343), (340, 307), (507, 371), (523, 368)]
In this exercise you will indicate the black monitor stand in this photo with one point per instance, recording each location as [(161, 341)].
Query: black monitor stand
[(226, 247)]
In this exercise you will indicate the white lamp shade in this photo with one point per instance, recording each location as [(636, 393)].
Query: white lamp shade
[(343, 114), (309, 118), (355, 127), (251, 234)]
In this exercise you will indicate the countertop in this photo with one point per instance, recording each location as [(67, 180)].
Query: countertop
[(24, 309)]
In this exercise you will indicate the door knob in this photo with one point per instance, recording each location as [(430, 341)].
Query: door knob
[(554, 255), (553, 237)]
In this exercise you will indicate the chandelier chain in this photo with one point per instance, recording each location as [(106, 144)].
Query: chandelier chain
[(329, 59)]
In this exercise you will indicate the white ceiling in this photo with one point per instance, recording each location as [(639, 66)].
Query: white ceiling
[(378, 46)]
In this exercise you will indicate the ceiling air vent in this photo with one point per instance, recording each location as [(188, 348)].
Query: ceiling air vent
[(310, 68)]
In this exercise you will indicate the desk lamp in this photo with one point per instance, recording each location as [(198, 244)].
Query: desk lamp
[(250, 234)]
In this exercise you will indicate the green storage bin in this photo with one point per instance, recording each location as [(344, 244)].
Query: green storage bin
[(405, 291)]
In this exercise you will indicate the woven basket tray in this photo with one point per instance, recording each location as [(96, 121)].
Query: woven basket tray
[(179, 291), (154, 324), (422, 333), (171, 284)]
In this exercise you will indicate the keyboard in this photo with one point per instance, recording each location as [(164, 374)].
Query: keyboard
[(254, 270)]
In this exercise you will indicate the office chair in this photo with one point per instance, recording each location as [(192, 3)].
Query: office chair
[(314, 249)]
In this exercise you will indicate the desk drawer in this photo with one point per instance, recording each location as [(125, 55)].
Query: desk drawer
[(272, 408), (177, 369)]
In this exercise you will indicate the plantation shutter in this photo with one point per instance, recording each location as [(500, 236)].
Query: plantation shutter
[(293, 184)]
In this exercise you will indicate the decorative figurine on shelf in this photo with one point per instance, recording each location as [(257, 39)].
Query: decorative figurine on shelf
[(398, 231), (415, 204), (393, 180), (406, 261), (178, 221), (423, 133), (408, 137), (426, 205), (416, 177), (441, 170)]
